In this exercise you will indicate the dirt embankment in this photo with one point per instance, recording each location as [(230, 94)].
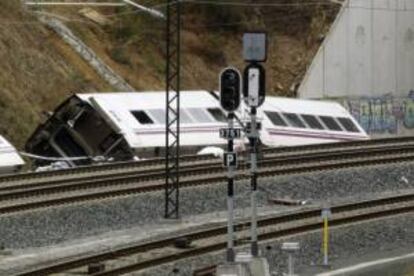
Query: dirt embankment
[(211, 39), (39, 70)]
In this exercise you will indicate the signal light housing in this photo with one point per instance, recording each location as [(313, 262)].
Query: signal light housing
[(230, 88)]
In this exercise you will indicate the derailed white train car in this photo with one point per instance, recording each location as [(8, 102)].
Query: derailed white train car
[(10, 160), (121, 126), (292, 122), (140, 117)]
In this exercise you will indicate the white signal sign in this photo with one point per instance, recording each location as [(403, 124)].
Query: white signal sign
[(230, 159), (255, 47), (254, 85), (230, 133), (253, 89)]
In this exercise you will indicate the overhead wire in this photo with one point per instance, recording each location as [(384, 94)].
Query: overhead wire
[(87, 22), (244, 4), (217, 3)]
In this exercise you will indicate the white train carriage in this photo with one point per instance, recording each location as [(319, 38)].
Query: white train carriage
[(140, 117), (291, 122), (10, 160), (122, 125)]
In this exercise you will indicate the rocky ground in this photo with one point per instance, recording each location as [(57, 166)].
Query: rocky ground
[(349, 245), (56, 225), (94, 226)]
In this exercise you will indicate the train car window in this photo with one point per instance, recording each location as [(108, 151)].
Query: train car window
[(217, 114), (185, 118), (294, 120), (330, 123), (275, 118), (200, 115), (312, 121), (158, 115), (348, 124), (142, 117)]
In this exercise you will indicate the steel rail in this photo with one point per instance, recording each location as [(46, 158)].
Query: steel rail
[(268, 169), (98, 169), (343, 214), (63, 185)]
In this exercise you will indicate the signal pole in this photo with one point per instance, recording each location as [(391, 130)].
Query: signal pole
[(254, 134), (254, 51), (230, 84), (230, 196)]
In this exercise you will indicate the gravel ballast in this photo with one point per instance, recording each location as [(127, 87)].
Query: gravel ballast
[(349, 245), (56, 225)]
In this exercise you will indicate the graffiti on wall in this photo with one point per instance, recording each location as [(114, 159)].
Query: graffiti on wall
[(383, 115)]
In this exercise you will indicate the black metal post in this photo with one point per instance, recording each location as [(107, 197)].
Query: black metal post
[(230, 197), (172, 121)]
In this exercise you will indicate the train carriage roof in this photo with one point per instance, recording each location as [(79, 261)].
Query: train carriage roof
[(149, 99)]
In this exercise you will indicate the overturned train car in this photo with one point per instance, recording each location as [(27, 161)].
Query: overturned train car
[(124, 126), (77, 129)]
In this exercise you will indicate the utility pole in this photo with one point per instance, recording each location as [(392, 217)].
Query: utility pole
[(172, 121)]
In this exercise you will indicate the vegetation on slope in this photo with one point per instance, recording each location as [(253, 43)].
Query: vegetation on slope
[(37, 72), (211, 39)]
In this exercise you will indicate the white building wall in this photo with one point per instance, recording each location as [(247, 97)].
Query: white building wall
[(369, 52)]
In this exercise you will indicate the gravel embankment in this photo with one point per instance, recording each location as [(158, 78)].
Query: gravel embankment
[(351, 244), (41, 228)]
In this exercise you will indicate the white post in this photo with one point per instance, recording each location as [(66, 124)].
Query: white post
[(290, 265), (290, 248)]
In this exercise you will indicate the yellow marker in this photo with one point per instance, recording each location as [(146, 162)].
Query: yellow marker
[(326, 213), (325, 240)]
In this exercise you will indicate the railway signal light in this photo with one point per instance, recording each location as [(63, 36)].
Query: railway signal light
[(230, 86), (254, 86)]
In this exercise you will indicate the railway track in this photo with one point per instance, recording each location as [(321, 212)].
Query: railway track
[(81, 173), (40, 195), (133, 258)]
